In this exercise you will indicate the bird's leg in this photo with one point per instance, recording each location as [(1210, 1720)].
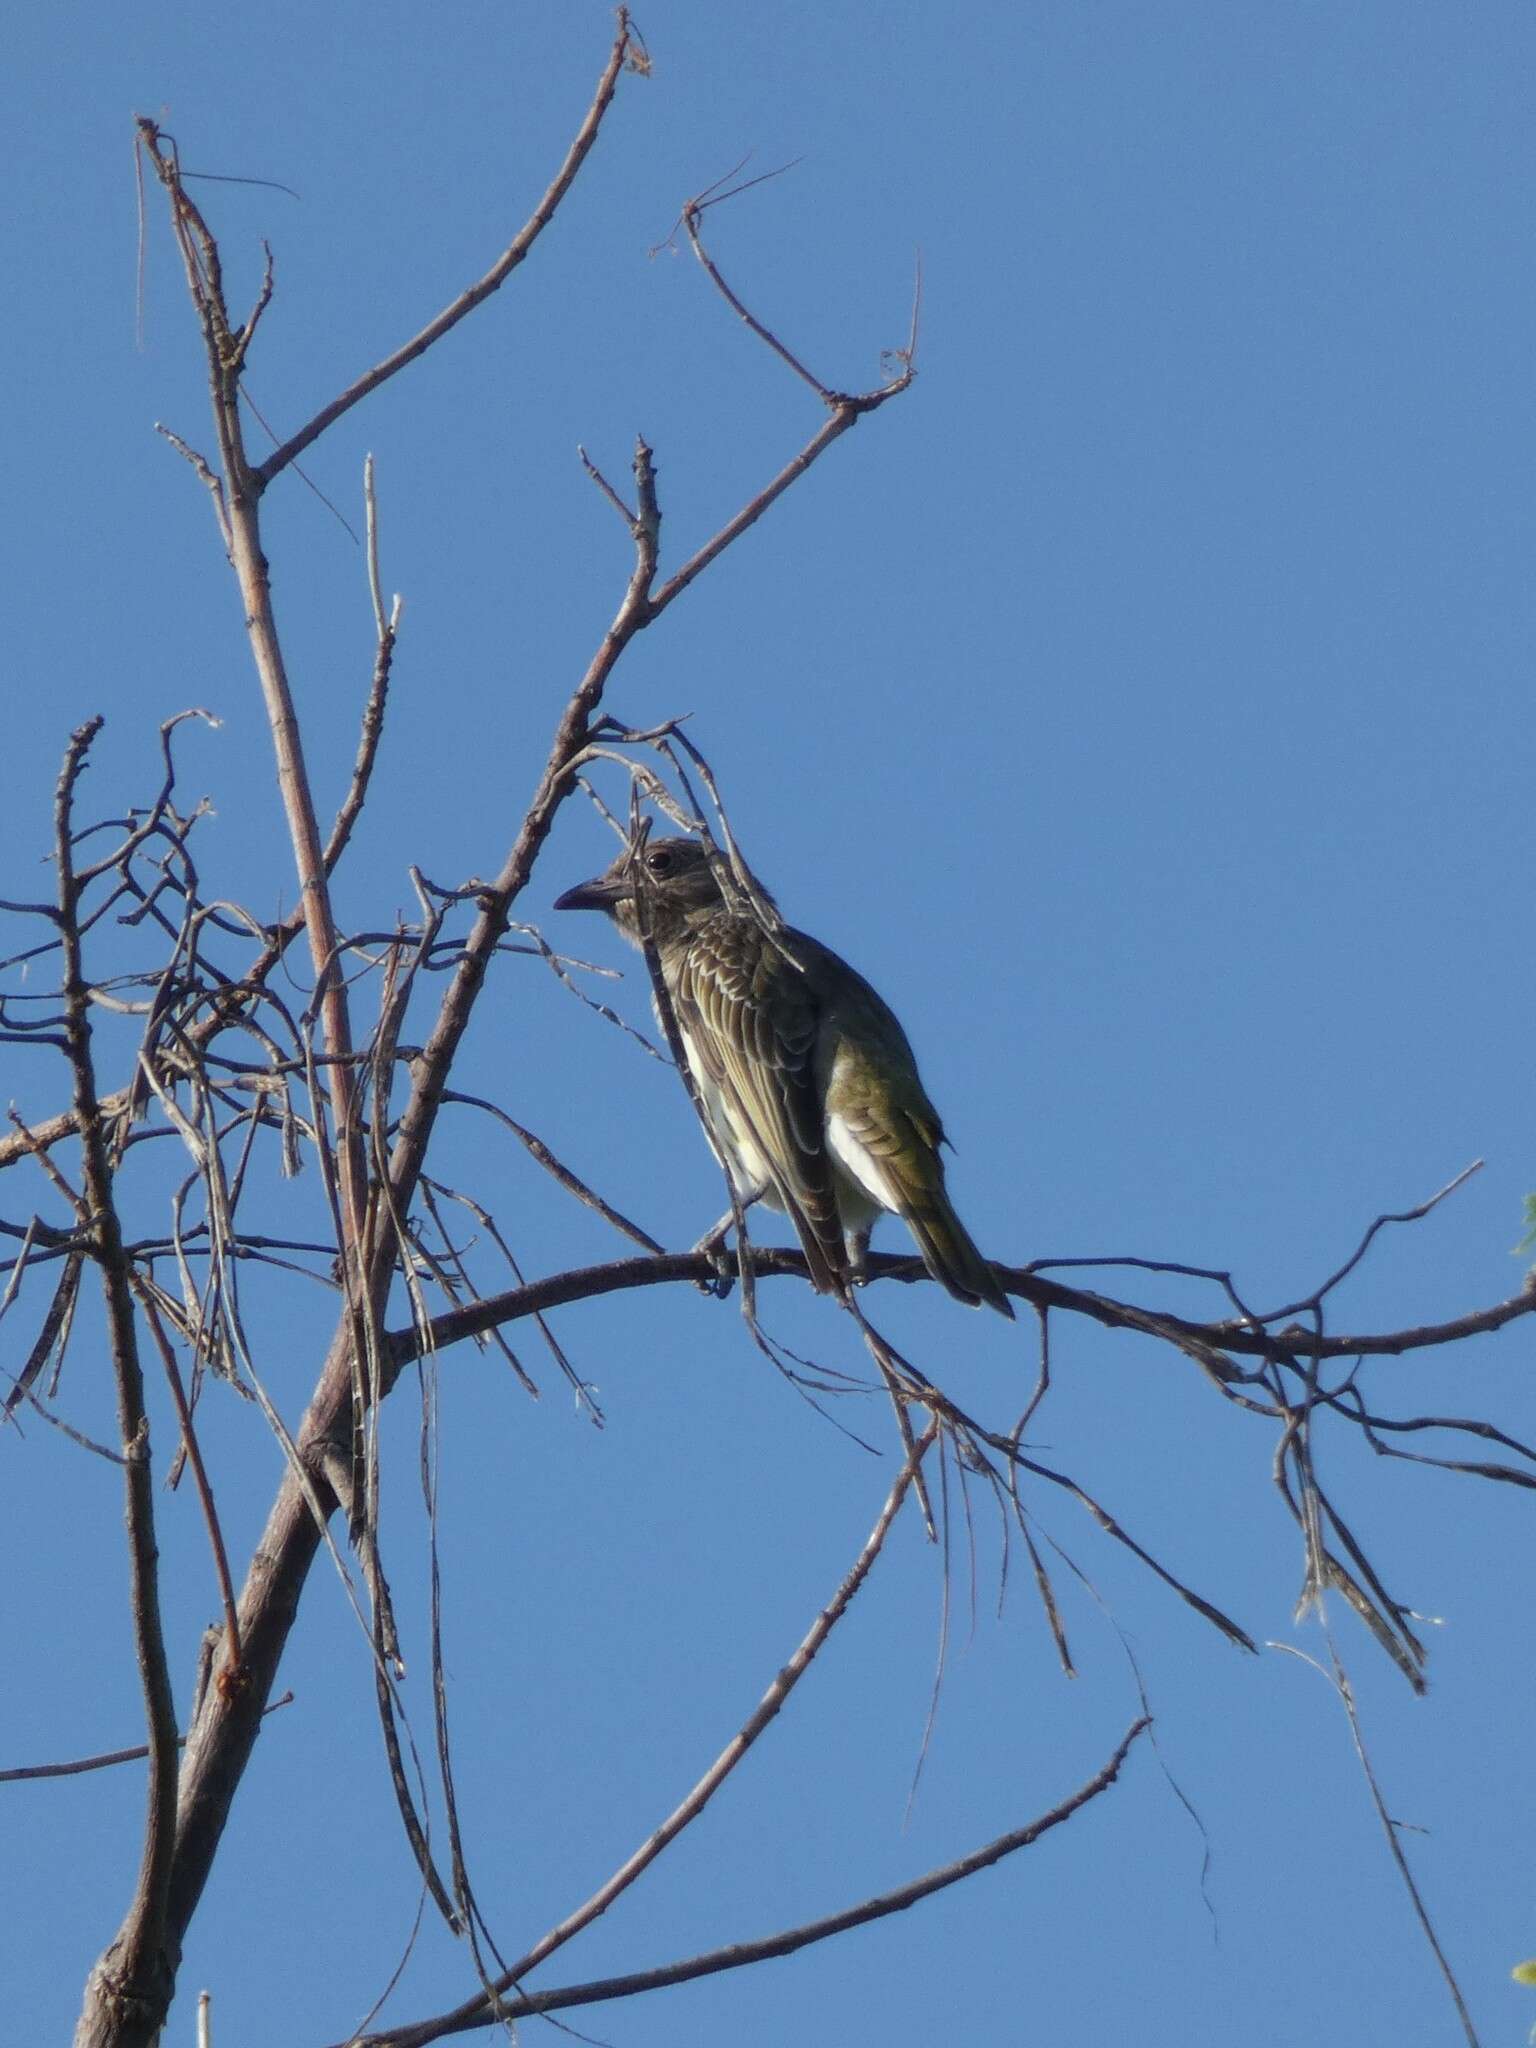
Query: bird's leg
[(712, 1243), (856, 1245)]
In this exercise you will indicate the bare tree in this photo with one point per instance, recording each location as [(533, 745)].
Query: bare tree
[(175, 1038)]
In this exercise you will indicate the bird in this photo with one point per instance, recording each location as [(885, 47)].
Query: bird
[(808, 1087)]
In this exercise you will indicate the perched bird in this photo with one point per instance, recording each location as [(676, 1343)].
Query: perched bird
[(808, 1084)]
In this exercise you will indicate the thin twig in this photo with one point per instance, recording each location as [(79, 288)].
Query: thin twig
[(571, 1182), (691, 216), (15, 1773), (693, 1805), (1338, 1678), (475, 294), (136, 1961), (742, 1954), (202, 264), (606, 488), (231, 1673)]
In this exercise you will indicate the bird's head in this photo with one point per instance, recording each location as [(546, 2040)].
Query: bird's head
[(675, 876)]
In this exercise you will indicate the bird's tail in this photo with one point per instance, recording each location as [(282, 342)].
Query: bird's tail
[(949, 1253)]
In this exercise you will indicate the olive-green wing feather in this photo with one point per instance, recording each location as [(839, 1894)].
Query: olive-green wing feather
[(752, 1020), (905, 1156), (876, 1101)]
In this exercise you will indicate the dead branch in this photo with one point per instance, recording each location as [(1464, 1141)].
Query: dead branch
[(689, 1809), (770, 1262), (78, 1766), (741, 1954), (225, 349), (137, 1973), (230, 1675), (476, 294), (387, 629), (572, 1183), (1339, 1679)]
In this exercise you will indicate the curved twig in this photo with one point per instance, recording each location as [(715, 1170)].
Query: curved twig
[(689, 1809), (739, 1955)]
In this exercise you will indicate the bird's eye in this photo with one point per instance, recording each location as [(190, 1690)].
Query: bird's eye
[(660, 861)]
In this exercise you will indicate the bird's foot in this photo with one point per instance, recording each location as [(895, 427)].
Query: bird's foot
[(856, 1252), (712, 1244)]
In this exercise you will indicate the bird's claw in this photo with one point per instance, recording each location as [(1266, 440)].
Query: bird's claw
[(723, 1279), (719, 1288)]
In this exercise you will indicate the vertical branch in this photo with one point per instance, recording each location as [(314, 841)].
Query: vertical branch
[(132, 1983), (225, 348)]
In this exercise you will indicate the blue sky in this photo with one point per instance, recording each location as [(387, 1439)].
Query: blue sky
[(1142, 702)]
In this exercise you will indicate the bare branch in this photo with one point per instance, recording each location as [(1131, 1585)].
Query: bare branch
[(199, 465), (742, 1954), (814, 449), (478, 292), (135, 1971), (770, 1262), (387, 629), (1414, 1215), (200, 259), (230, 1675), (16, 1773), (482, 2009), (691, 216), (1338, 1678), (606, 488), (847, 409)]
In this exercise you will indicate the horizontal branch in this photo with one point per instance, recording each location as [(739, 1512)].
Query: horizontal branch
[(77, 1766), (586, 1283)]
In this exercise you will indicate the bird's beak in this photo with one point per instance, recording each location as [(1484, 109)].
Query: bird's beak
[(601, 893)]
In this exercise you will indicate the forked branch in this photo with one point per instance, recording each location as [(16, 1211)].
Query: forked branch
[(482, 2009), (742, 1954)]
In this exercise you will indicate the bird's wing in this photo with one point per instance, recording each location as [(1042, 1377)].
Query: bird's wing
[(887, 1133), (752, 1021)]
